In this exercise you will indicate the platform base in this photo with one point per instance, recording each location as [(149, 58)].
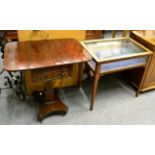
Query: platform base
[(49, 104)]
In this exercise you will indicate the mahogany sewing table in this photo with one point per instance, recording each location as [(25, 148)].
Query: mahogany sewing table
[(48, 60)]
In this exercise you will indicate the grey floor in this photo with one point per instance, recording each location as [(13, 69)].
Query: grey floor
[(115, 104)]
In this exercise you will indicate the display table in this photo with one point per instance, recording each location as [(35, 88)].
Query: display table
[(113, 55), (48, 60)]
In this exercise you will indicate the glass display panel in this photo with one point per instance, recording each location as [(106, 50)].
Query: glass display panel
[(113, 48)]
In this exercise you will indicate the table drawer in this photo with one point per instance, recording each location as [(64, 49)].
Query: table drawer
[(53, 73)]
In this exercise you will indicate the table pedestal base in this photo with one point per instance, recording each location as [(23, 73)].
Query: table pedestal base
[(49, 104)]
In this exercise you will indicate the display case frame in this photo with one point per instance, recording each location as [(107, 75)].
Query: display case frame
[(96, 71)]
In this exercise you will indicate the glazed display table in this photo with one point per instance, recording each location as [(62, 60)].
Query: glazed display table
[(48, 60), (113, 55)]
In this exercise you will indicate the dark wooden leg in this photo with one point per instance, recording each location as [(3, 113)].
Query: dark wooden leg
[(95, 85), (49, 105), (80, 74), (144, 75)]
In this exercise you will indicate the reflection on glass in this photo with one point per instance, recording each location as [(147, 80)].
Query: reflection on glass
[(115, 48)]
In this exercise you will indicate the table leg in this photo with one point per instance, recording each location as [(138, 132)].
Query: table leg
[(49, 103), (95, 85)]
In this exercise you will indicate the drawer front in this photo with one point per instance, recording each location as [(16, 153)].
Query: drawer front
[(53, 73)]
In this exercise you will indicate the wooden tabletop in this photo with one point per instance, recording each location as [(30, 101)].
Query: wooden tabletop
[(30, 55), (147, 35)]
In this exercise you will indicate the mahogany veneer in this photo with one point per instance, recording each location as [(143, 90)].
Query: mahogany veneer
[(45, 53), (48, 60)]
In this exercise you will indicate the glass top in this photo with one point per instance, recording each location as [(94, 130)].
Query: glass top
[(113, 48)]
